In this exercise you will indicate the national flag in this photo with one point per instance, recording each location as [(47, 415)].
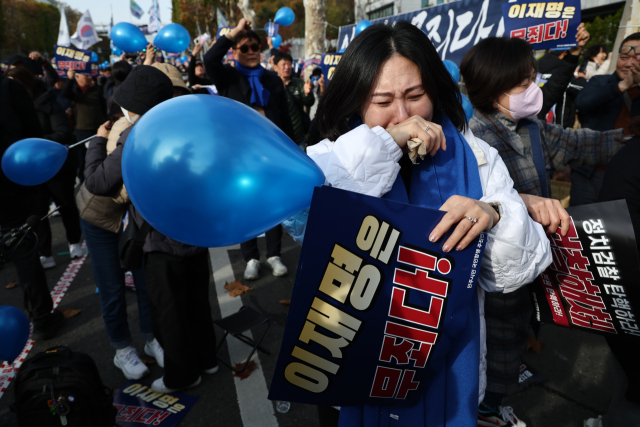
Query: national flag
[(63, 32), (85, 35), (136, 10)]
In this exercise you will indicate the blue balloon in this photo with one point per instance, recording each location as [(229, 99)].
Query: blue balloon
[(453, 69), (33, 161), (285, 16), (94, 57), (128, 37), (468, 108), (221, 174), (362, 25), (277, 41), (173, 38), (184, 58), (115, 51), (14, 332)]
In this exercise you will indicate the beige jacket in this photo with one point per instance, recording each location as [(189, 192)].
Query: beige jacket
[(116, 130)]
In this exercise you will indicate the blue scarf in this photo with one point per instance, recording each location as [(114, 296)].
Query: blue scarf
[(451, 397), (259, 95)]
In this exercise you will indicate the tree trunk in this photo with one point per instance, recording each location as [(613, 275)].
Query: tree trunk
[(314, 27), (248, 12), (231, 16)]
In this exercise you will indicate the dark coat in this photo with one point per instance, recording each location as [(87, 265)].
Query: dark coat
[(103, 177), (600, 102), (231, 84), (560, 89), (90, 105), (53, 119)]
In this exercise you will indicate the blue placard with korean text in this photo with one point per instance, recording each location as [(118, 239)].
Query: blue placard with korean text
[(71, 58), (375, 307), (138, 405), (544, 25)]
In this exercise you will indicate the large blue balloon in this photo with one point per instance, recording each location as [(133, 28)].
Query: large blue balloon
[(468, 108), (14, 332), (221, 174), (285, 16), (276, 40), (453, 69), (33, 161), (128, 37), (173, 38), (362, 25)]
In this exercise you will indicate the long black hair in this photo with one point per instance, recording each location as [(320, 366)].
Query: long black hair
[(357, 73)]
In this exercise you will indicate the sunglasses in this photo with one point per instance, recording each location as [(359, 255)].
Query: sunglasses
[(245, 47)]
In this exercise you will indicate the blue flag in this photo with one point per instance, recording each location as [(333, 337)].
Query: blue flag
[(136, 10)]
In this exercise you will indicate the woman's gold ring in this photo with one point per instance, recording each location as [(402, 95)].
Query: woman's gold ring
[(473, 220)]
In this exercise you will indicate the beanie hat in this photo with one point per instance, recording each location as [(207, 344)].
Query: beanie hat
[(144, 88), (173, 73)]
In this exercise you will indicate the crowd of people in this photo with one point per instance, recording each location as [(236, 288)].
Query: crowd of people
[(389, 88)]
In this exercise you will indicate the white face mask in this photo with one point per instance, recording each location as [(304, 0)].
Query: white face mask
[(131, 120)]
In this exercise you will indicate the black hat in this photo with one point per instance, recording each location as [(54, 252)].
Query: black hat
[(144, 88)]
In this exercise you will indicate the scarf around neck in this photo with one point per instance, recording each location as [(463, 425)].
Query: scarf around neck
[(259, 95), (451, 397)]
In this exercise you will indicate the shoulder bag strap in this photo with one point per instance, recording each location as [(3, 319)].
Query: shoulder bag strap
[(538, 156)]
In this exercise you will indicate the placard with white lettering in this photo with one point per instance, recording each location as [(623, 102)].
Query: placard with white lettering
[(592, 283), (375, 306), (544, 25), (138, 405), (71, 58)]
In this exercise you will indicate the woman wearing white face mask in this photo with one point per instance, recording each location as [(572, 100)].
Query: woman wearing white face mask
[(500, 77)]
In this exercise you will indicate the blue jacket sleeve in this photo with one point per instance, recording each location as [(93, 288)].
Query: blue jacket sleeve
[(296, 225)]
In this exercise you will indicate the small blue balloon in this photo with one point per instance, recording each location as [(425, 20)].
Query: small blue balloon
[(192, 183), (468, 108), (14, 332), (33, 161), (184, 58), (285, 16), (362, 25), (128, 37), (453, 69), (94, 57), (173, 38), (277, 41), (115, 51)]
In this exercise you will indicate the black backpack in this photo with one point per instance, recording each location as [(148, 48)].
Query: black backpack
[(59, 385)]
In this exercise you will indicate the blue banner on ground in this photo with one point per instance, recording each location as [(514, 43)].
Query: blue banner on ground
[(544, 25), (138, 405), (72, 58), (452, 27), (375, 306)]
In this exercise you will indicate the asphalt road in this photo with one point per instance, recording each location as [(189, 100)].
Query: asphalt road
[(578, 365)]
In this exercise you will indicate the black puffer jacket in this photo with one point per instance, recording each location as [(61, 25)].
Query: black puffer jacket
[(103, 177), (53, 120)]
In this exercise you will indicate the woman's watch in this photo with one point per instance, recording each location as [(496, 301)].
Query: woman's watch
[(496, 206)]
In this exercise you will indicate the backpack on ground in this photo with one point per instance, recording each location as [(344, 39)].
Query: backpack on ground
[(59, 387)]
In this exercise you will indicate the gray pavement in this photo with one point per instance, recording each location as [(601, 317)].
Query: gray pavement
[(578, 365)]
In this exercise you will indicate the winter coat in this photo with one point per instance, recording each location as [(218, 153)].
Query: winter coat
[(103, 177), (560, 89), (90, 105), (365, 161), (231, 84)]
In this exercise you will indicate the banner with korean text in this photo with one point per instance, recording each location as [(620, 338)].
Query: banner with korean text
[(452, 27), (375, 307), (72, 58), (592, 284), (544, 25), (138, 405)]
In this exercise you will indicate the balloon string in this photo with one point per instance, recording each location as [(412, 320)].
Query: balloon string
[(82, 142)]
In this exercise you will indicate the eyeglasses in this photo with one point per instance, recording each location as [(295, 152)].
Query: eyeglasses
[(245, 47), (625, 51)]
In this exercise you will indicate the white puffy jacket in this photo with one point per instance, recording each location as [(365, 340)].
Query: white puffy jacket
[(365, 161)]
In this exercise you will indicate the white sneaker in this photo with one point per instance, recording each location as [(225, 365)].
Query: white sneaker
[(153, 349), (132, 367), (252, 270), (279, 269), (75, 249), (47, 262), (159, 387)]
